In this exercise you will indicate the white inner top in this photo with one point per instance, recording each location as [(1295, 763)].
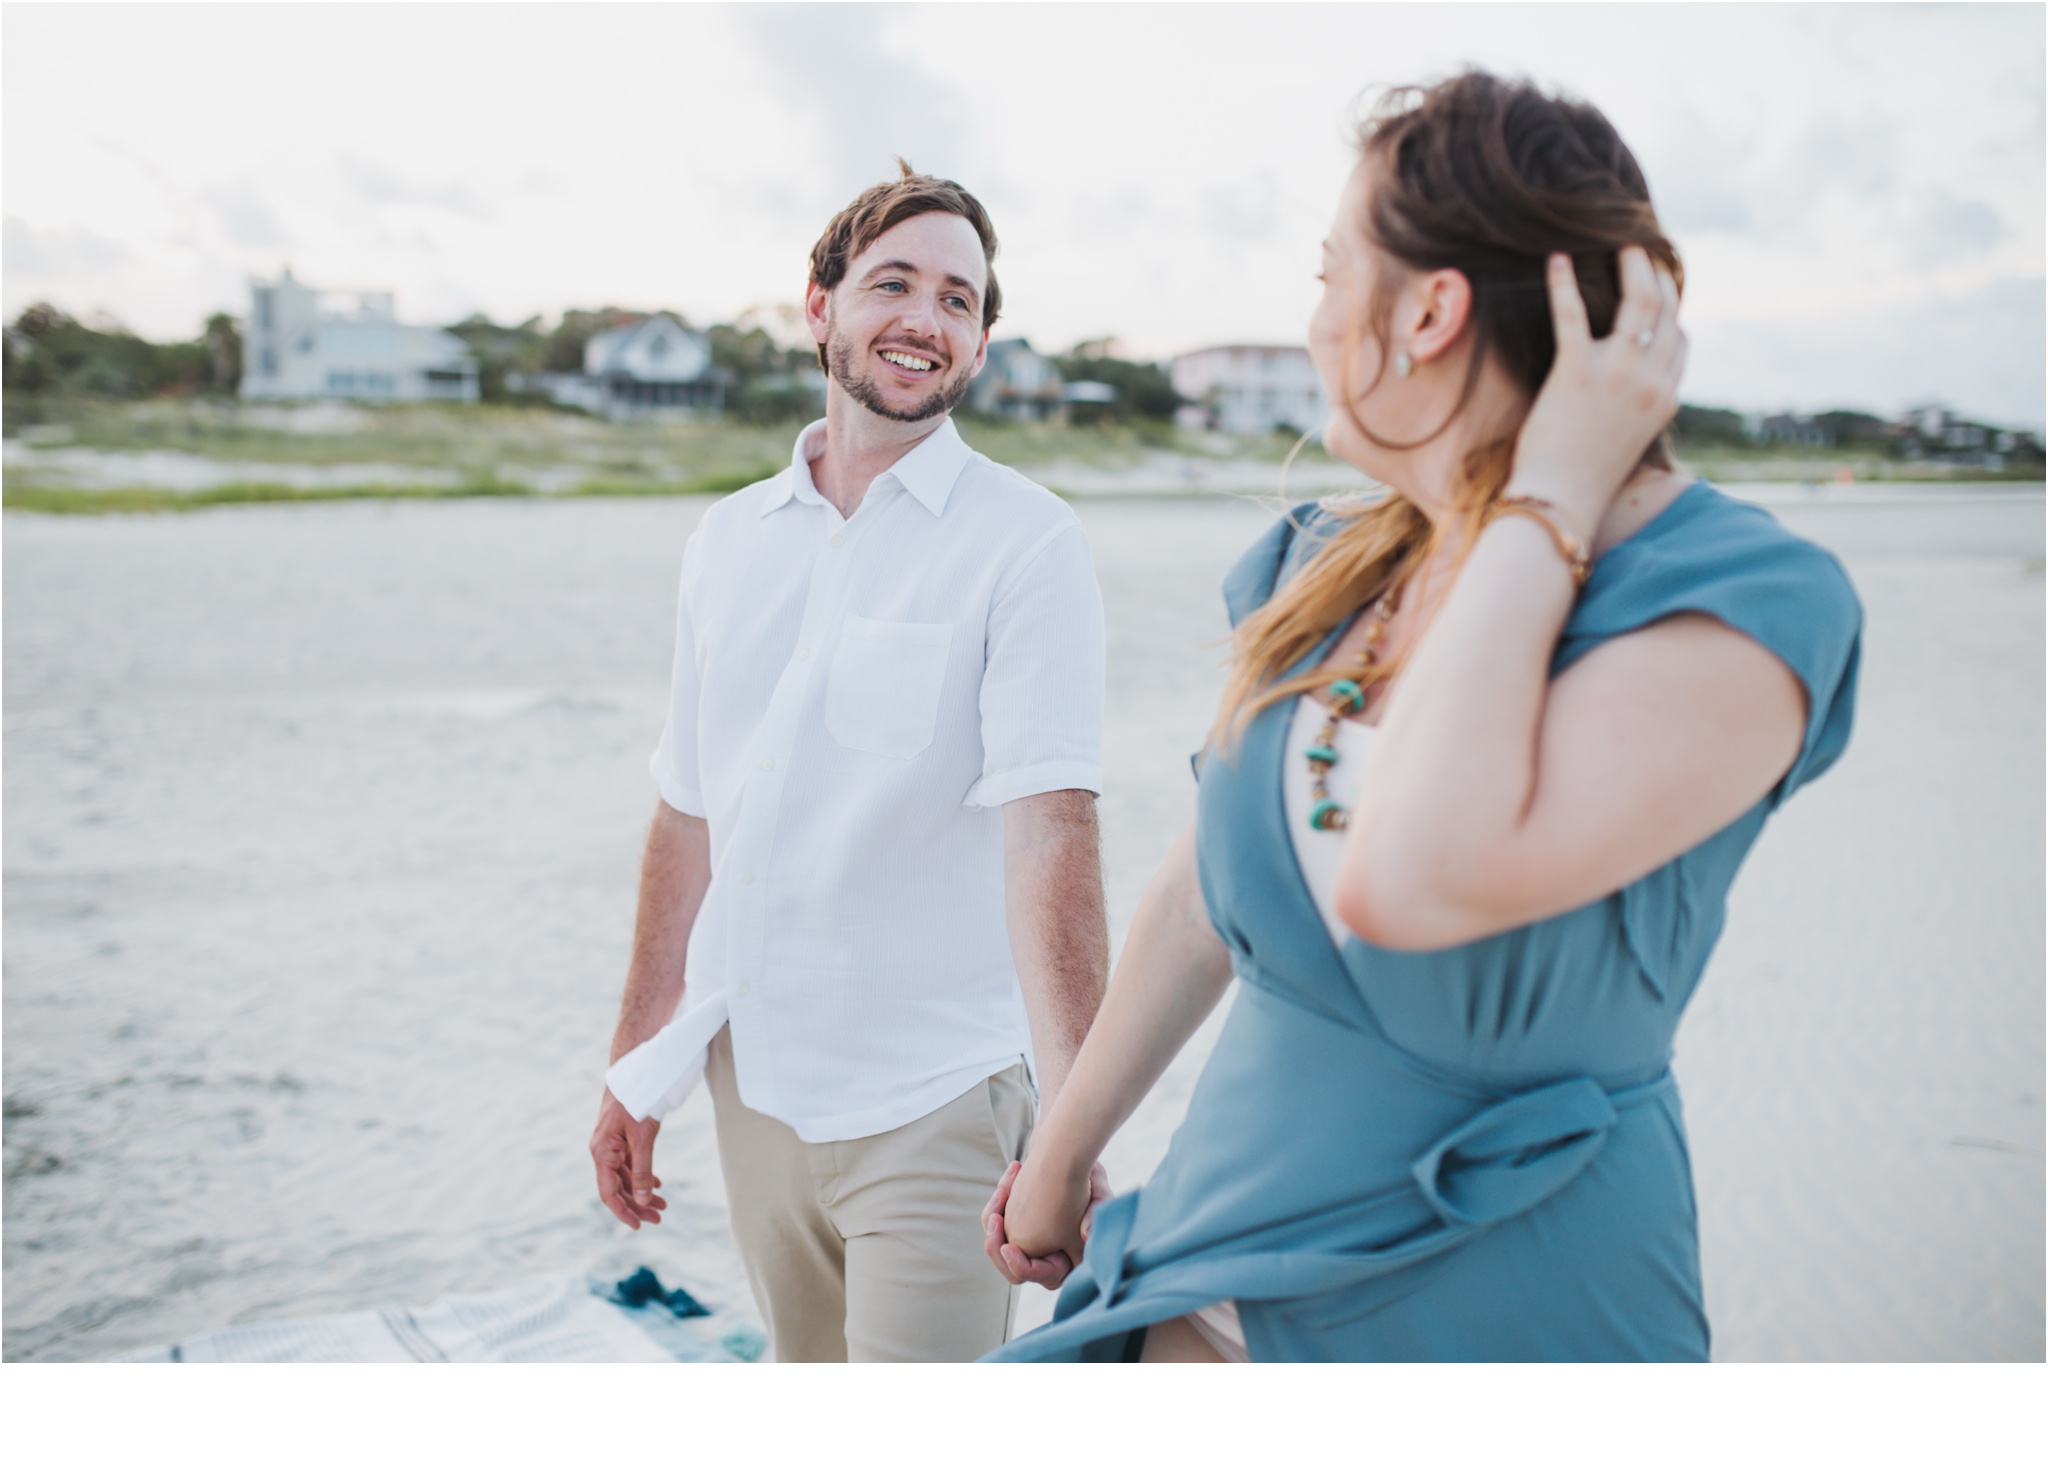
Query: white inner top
[(1320, 851)]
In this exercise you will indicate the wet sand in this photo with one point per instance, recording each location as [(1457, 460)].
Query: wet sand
[(319, 857)]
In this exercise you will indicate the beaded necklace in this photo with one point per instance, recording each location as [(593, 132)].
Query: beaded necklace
[(1346, 696)]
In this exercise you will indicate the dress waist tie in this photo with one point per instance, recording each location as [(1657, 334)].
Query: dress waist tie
[(1506, 1159)]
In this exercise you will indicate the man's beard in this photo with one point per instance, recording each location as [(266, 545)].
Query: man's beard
[(839, 355)]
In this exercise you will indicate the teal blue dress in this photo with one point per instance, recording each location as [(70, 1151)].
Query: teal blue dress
[(1469, 1154)]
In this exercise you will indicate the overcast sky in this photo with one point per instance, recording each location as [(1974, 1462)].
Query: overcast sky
[(1858, 190)]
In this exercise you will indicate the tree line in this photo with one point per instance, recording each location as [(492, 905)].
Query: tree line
[(50, 354)]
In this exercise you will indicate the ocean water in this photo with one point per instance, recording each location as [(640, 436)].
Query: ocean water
[(320, 841)]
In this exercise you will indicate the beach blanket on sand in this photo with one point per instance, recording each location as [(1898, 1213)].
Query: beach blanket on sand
[(563, 1318)]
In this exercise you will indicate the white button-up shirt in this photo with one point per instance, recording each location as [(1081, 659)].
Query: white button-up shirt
[(853, 702)]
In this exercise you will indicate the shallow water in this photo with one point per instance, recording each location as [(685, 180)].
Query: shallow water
[(321, 833)]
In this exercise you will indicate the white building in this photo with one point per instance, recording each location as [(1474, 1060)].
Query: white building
[(302, 342), (657, 364), (1250, 389)]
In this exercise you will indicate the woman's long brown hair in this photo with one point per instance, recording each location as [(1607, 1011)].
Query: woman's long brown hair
[(1490, 178)]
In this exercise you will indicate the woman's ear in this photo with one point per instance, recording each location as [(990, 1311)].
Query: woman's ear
[(1440, 307)]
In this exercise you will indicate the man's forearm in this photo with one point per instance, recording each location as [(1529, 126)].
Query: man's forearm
[(675, 871), (1059, 932)]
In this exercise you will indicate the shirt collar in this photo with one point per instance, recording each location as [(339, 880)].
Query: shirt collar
[(927, 472)]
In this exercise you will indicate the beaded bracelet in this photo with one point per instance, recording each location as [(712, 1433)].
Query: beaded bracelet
[(1549, 515)]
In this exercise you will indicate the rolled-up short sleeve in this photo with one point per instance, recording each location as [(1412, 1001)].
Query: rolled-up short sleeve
[(1709, 555), (674, 764), (1042, 681)]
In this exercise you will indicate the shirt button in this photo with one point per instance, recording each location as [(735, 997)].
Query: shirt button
[(742, 989), (767, 765), (746, 879), (837, 540), (803, 653)]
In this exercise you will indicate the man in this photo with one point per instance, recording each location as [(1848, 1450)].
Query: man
[(873, 881)]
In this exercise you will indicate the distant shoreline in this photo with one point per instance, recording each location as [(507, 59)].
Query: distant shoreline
[(73, 501)]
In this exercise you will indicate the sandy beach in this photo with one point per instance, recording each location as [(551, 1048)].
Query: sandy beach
[(322, 827)]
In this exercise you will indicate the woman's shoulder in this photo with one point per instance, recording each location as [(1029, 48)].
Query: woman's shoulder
[(1710, 552), (1287, 544)]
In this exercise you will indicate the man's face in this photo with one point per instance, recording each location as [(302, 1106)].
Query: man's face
[(902, 332)]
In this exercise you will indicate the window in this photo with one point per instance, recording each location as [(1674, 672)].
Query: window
[(263, 309)]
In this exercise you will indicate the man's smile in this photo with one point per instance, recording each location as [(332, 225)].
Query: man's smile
[(909, 361)]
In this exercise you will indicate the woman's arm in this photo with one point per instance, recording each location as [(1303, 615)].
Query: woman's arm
[(1173, 971), (1498, 797)]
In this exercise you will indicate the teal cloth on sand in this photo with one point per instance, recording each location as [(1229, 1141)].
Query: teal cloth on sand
[(1469, 1154)]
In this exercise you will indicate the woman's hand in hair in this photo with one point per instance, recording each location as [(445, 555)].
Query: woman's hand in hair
[(1605, 400)]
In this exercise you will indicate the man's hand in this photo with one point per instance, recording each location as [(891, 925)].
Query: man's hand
[(1052, 1269), (623, 1148), (675, 872)]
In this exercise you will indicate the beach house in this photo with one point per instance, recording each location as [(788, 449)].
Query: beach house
[(1017, 383), (303, 342), (653, 365), (1249, 389)]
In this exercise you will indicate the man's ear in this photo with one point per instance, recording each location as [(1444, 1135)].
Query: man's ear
[(980, 355), (818, 312), (1442, 308)]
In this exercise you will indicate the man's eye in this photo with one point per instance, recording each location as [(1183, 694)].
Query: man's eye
[(957, 302), (891, 285)]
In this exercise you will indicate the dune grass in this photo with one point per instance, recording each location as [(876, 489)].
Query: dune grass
[(49, 499)]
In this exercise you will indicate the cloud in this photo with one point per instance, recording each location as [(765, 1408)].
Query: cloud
[(1697, 179), (375, 185), (870, 105), (245, 218), (1721, 178), (1981, 351), (58, 252), (1944, 229), (1244, 211), (1838, 156)]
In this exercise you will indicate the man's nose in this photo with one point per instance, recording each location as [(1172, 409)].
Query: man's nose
[(920, 315)]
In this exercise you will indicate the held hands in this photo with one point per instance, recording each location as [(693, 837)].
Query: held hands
[(1052, 1220), (1604, 401), (623, 1148)]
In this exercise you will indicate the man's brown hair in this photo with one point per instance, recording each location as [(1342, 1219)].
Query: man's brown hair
[(882, 208)]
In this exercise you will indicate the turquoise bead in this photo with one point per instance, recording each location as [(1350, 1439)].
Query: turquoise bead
[(1347, 696), (1327, 814), (1317, 753)]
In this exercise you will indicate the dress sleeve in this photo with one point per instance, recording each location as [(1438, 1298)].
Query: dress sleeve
[(1747, 571), (1817, 630), (1042, 682), (674, 764)]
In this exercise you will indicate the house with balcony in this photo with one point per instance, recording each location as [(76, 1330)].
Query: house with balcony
[(305, 343), (1249, 390)]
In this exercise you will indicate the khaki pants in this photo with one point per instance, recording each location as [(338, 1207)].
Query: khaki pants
[(869, 1249)]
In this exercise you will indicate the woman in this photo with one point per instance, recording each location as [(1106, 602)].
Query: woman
[(1439, 1122)]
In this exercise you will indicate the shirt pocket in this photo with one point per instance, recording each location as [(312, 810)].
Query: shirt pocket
[(883, 692)]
